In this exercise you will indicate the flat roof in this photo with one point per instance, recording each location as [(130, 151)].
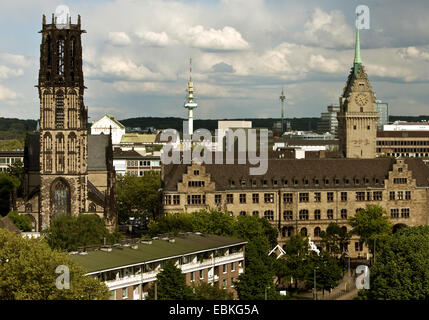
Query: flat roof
[(159, 250)]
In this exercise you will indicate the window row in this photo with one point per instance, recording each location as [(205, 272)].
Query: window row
[(405, 213)]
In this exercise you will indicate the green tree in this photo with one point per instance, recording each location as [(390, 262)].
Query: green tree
[(299, 259), (401, 271), (171, 284), (328, 271), (138, 196), (372, 226), (68, 233), (207, 291), (27, 272), (21, 221), (335, 239), (7, 187)]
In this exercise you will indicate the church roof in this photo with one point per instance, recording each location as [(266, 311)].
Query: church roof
[(97, 152)]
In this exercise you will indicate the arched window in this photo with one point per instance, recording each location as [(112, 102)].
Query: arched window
[(33, 222), (60, 159), (269, 215), (61, 198), (317, 232), (303, 214), (92, 207), (242, 213), (304, 232), (255, 213), (289, 231)]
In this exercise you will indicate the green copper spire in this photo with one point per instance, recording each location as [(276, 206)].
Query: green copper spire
[(357, 48), (357, 60)]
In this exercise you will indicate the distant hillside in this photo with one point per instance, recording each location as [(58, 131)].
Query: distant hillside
[(177, 123), (408, 118), (12, 128)]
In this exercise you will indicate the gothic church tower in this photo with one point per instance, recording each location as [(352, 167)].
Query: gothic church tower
[(63, 122), (357, 119)]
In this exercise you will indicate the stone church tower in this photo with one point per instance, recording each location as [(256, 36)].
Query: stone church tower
[(66, 170), (63, 121), (357, 119)]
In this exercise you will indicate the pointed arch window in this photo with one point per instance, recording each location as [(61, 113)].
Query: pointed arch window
[(60, 48), (61, 198)]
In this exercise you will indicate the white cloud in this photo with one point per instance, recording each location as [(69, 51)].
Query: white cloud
[(321, 64), (6, 72), (327, 29), (7, 94), (413, 53), (154, 39), (215, 39), (119, 39), (15, 59), (121, 67)]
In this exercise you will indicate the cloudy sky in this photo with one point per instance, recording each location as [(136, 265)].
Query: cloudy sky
[(136, 55)]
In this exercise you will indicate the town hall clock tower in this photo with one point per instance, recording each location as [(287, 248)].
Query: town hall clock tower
[(357, 119)]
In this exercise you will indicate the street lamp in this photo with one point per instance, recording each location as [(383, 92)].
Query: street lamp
[(315, 284)]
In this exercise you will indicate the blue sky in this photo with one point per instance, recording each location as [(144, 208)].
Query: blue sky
[(136, 55)]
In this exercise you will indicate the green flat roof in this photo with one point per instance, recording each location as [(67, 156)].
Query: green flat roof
[(158, 250)]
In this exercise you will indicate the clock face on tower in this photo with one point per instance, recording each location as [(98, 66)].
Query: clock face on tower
[(361, 99)]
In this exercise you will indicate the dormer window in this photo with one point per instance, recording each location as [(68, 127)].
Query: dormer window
[(243, 182), (232, 182), (253, 183), (326, 181), (316, 182), (285, 182), (275, 183), (264, 183), (305, 181)]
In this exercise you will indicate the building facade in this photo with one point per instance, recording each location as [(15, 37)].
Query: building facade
[(304, 195), (383, 113), (66, 171), (8, 158), (109, 125), (130, 270), (135, 163), (403, 144)]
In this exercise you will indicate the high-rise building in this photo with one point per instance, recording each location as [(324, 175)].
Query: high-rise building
[(383, 112), (328, 121), (357, 119)]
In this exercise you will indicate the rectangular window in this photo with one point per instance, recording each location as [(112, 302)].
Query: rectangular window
[(288, 197), (392, 195), (255, 197), (176, 199), (167, 199), (303, 197), (268, 197), (400, 195), (400, 180), (377, 195), (229, 198), (224, 283), (343, 196), (405, 213), (407, 195), (358, 246), (242, 198), (317, 197), (124, 293), (201, 274), (330, 214), (330, 196), (232, 267), (224, 269), (394, 213), (218, 198), (360, 196), (192, 276)]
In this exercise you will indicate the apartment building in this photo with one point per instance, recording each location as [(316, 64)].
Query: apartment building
[(130, 270), (9, 157), (304, 195)]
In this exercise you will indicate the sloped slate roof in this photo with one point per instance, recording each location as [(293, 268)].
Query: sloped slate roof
[(97, 152), (300, 170)]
